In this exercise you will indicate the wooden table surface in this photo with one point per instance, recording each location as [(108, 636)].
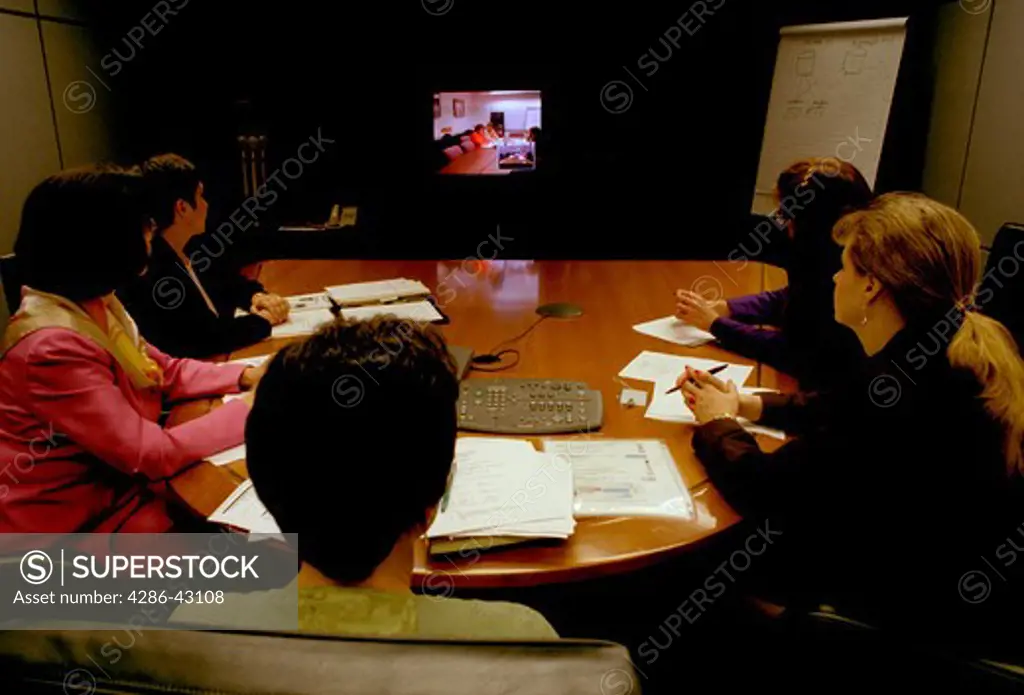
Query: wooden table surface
[(489, 302), (478, 161)]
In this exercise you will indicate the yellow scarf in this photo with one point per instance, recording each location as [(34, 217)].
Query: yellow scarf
[(122, 340)]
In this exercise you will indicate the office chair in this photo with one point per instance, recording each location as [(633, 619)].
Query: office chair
[(12, 281), (1001, 291), (851, 652), (65, 661)]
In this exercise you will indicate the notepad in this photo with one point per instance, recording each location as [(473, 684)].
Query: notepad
[(244, 510), (409, 311), (379, 291), (659, 366), (674, 330)]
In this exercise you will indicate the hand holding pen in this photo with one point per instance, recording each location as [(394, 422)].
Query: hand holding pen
[(689, 377), (708, 397)]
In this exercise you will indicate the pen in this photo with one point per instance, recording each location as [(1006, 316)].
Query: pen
[(713, 370)]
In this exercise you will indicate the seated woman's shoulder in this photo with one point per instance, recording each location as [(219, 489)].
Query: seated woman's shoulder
[(48, 345)]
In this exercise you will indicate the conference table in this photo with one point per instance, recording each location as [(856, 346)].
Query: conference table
[(492, 301), (478, 161)]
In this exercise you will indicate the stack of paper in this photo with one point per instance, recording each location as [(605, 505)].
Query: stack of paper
[(674, 330), (504, 489), (624, 477), (663, 370), (410, 311), (379, 291), (244, 510)]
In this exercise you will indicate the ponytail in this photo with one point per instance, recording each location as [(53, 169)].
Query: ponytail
[(987, 349), (927, 256)]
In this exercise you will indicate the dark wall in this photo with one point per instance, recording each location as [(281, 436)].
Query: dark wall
[(672, 174)]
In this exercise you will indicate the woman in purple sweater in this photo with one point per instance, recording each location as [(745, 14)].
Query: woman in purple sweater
[(803, 338)]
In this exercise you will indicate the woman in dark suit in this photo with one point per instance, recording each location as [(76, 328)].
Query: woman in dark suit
[(185, 302), (895, 486)]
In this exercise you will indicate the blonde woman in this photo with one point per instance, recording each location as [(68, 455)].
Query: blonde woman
[(892, 490)]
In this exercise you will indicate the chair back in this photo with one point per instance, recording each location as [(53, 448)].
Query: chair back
[(1001, 291), (126, 659)]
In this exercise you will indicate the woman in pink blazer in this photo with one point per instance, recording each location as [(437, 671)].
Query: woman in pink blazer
[(81, 393)]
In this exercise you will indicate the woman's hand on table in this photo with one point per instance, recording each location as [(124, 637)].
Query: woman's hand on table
[(272, 307), (697, 311), (711, 398)]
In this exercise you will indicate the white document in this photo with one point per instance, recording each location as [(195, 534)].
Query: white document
[(300, 302), (358, 293), (235, 453), (659, 366), (411, 311), (302, 323), (674, 330), (624, 477), (505, 487), (243, 509), (307, 302), (671, 407)]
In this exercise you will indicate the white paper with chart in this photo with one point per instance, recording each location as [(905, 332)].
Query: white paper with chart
[(623, 477)]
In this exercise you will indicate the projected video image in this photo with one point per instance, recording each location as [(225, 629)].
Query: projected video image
[(481, 133)]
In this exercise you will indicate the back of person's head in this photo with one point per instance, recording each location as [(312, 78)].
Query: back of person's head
[(814, 193), (927, 256), (169, 178), (82, 232), (351, 439)]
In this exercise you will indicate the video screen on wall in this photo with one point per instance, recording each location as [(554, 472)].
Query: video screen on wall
[(487, 133)]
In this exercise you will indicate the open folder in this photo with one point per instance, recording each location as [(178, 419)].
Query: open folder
[(377, 292), (402, 298)]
